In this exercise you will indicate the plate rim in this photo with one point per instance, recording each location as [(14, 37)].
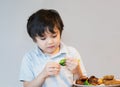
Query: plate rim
[(102, 85)]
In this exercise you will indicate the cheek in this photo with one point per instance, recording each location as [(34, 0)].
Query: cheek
[(40, 44), (57, 40)]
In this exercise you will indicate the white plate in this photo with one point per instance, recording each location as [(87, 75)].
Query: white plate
[(102, 85), (78, 85)]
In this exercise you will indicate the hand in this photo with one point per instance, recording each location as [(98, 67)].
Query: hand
[(51, 69), (72, 64)]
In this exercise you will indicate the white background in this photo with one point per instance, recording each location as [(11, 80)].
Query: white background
[(91, 26)]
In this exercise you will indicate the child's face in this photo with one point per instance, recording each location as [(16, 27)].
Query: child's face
[(50, 42)]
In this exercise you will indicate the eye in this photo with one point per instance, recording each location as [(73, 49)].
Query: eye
[(55, 35), (42, 38)]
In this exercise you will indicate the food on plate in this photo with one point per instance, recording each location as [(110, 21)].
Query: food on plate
[(100, 81), (108, 77), (110, 80), (86, 83), (92, 80), (62, 62), (82, 80)]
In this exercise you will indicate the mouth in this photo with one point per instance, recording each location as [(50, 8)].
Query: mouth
[(50, 47)]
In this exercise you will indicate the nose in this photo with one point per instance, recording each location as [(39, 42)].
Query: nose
[(50, 40)]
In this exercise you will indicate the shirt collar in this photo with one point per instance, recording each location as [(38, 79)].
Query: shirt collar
[(63, 50)]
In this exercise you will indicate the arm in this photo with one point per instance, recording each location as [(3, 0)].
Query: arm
[(77, 72), (37, 82), (51, 69), (74, 66)]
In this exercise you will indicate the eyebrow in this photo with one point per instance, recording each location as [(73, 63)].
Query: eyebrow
[(43, 35)]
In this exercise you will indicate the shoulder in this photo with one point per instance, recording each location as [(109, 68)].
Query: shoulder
[(72, 51), (31, 54)]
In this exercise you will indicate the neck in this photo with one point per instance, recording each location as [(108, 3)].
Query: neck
[(55, 52)]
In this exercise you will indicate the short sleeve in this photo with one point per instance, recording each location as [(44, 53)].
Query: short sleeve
[(75, 54), (26, 71)]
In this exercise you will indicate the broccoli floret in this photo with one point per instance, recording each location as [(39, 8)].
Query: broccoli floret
[(62, 62)]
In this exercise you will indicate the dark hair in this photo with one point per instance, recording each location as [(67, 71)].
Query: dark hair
[(42, 20)]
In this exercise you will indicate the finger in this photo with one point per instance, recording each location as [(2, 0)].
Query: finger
[(55, 67), (54, 64), (53, 71)]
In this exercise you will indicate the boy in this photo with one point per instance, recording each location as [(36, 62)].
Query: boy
[(40, 67)]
